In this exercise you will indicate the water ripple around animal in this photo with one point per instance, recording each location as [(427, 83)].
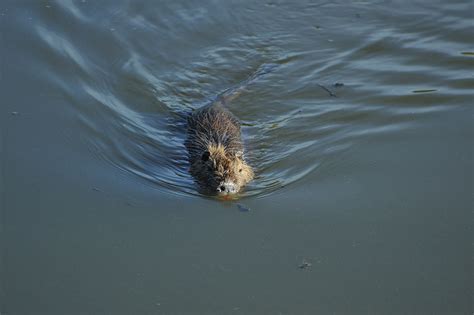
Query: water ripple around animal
[(133, 103)]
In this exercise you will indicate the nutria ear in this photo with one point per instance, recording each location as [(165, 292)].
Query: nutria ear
[(239, 154)]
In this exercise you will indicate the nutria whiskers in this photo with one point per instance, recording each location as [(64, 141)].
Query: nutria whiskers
[(216, 150)]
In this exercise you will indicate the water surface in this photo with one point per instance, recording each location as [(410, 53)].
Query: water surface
[(361, 138)]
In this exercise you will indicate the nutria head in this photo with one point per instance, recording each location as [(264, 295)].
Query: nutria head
[(220, 171)]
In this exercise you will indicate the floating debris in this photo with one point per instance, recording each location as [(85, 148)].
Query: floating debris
[(305, 264), (467, 53), (424, 91), (327, 90), (15, 113), (338, 84), (242, 208)]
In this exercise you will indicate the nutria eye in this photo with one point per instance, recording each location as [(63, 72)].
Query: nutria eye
[(240, 171), (205, 156)]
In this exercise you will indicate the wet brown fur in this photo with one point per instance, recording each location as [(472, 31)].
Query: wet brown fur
[(214, 132)]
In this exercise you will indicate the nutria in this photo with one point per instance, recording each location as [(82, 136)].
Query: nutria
[(216, 151)]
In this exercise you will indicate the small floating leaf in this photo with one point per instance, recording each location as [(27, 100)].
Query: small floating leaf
[(467, 53), (424, 91)]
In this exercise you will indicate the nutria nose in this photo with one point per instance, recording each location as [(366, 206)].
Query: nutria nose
[(226, 187)]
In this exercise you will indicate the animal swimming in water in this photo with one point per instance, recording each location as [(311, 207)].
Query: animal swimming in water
[(216, 151), (215, 146)]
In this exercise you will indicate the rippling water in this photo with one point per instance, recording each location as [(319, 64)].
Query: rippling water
[(348, 75), (132, 71)]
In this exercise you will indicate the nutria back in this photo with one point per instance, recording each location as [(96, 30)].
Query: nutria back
[(216, 150)]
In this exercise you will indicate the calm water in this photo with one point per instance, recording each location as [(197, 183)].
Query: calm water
[(361, 138)]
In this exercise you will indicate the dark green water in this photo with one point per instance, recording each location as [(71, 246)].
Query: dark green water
[(361, 138)]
